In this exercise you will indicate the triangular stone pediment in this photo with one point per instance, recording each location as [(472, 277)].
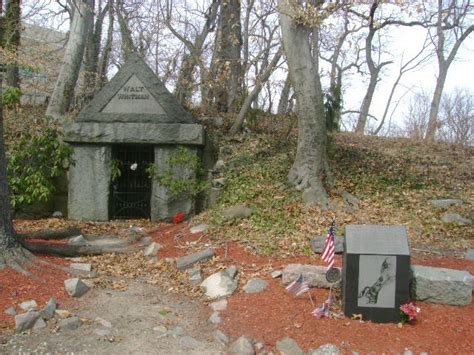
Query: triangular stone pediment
[(133, 98), (135, 94)]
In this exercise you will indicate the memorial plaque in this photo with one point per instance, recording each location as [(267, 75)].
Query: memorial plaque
[(133, 97), (376, 271)]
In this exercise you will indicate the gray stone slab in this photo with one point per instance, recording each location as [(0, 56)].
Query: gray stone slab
[(163, 205), (376, 239), (446, 202), (317, 244), (325, 349), (11, 311), (315, 275), (441, 285), (29, 305), (81, 266), (242, 346), (219, 284), (89, 183), (142, 133), (48, 310), (69, 323), (187, 261), (456, 219), (75, 287)]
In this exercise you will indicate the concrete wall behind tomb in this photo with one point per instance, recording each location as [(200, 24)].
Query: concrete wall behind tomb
[(133, 110)]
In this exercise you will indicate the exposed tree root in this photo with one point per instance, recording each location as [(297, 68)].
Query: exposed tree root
[(17, 259), (49, 234)]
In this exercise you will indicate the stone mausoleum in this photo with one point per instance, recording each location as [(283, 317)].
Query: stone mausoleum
[(131, 124)]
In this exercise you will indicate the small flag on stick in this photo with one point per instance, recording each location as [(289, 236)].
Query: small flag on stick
[(298, 287), (329, 245), (323, 310)]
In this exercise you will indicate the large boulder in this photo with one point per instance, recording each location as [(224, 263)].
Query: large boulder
[(219, 284), (440, 285), (315, 275), (75, 287)]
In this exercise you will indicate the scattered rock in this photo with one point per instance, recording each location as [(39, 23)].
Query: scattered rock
[(195, 276), (215, 318), (145, 241), (219, 182), (220, 305), (214, 194), (75, 287), (315, 275), (26, 321), (455, 218), (152, 249), (446, 202), (219, 165), (326, 349), (30, 305), (176, 331), (187, 261), (79, 240), (153, 260), (255, 285), (11, 311), (160, 329), (217, 121), (317, 244), (237, 212), (231, 271), (62, 313), (189, 342), (242, 346), (200, 228), (408, 352), (440, 285), (81, 266), (351, 202), (71, 323), (288, 346), (102, 332), (39, 324), (48, 311), (277, 273), (470, 254), (57, 214), (219, 284), (103, 322), (221, 337)]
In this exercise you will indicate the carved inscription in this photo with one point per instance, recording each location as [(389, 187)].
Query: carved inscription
[(133, 93)]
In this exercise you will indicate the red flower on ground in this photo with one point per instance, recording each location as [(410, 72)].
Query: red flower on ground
[(178, 218), (409, 312)]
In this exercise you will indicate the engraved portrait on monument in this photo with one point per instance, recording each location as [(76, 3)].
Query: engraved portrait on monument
[(377, 281)]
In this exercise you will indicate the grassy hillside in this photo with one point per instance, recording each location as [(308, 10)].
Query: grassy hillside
[(393, 178)]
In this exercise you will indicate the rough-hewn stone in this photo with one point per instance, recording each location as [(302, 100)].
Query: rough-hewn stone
[(325, 349), (242, 346), (441, 285), (75, 287), (187, 261), (219, 284), (26, 321), (446, 202), (456, 219), (255, 285), (288, 346), (237, 212), (89, 183), (315, 275)]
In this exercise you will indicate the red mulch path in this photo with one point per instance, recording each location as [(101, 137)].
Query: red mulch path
[(47, 282)]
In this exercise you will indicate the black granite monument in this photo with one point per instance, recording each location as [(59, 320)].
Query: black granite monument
[(376, 272)]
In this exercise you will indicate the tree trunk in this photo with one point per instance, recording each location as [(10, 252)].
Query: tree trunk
[(104, 59), (127, 41), (284, 97), (184, 86), (239, 121), (364, 108), (63, 92), (11, 38), (228, 64), (435, 103), (310, 168)]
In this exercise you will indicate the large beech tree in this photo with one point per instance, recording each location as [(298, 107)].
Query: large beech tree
[(310, 170)]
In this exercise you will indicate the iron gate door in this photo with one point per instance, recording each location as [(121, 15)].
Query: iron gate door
[(131, 189)]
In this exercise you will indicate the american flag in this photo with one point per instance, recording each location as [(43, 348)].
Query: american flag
[(298, 287), (329, 244), (323, 310)]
